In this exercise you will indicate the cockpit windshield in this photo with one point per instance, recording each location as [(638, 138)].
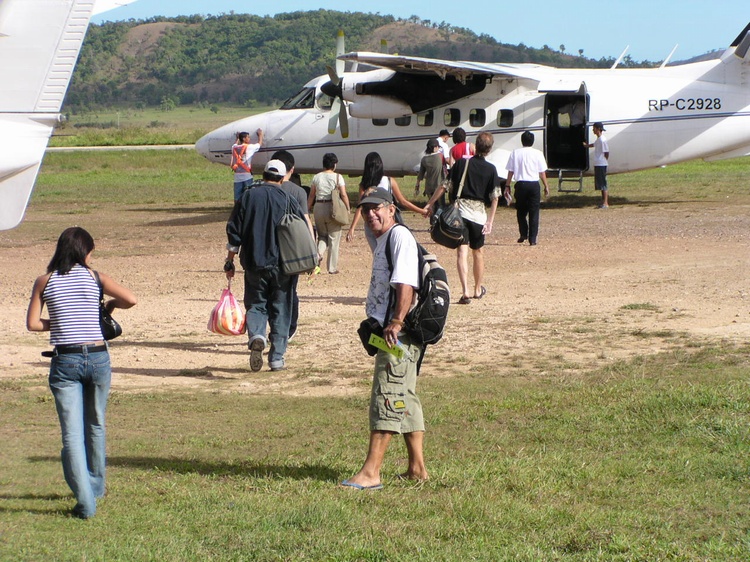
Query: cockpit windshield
[(304, 99), (324, 101)]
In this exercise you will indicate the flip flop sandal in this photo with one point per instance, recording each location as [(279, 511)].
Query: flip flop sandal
[(464, 300)]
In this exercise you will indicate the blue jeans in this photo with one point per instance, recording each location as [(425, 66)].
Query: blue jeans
[(268, 300), (80, 384), (239, 187)]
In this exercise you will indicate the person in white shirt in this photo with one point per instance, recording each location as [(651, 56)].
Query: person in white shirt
[(527, 166), (601, 159), (395, 407), (442, 139)]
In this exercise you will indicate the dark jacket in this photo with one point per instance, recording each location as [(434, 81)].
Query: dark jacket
[(252, 225)]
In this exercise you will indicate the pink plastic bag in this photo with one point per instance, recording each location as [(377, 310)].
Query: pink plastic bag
[(228, 316)]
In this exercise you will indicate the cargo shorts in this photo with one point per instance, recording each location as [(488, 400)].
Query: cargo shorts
[(394, 404)]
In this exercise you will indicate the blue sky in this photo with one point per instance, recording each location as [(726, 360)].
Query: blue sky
[(602, 29)]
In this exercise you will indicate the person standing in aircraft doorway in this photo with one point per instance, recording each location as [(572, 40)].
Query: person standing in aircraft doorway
[(527, 166), (242, 154), (601, 159)]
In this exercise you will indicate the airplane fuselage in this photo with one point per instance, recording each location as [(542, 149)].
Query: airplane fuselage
[(653, 117)]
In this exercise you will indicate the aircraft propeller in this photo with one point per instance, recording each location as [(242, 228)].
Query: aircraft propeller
[(334, 88)]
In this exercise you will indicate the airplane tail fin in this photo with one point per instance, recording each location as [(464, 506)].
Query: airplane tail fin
[(740, 47), (39, 45)]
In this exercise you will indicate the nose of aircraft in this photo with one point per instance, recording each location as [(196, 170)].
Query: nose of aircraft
[(201, 147)]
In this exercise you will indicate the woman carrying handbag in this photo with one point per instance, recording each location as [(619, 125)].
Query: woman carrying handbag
[(478, 190), (80, 371)]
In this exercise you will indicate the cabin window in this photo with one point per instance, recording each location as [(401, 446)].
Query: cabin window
[(425, 119), (477, 117), (505, 118), (380, 122), (452, 117), (403, 121)]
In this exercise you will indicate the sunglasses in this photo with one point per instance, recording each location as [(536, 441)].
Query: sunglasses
[(368, 208)]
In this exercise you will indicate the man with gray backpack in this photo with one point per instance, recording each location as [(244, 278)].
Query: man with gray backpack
[(269, 287)]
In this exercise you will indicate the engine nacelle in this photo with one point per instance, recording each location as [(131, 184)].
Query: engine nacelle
[(371, 107), (371, 96)]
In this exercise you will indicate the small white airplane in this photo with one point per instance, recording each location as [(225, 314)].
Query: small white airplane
[(653, 117), (39, 45)]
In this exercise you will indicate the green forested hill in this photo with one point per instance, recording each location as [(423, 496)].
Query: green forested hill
[(247, 59)]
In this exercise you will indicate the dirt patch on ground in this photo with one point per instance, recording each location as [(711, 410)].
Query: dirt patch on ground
[(600, 286)]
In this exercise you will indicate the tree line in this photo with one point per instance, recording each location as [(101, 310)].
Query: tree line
[(246, 59)]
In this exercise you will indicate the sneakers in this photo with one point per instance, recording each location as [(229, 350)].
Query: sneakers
[(603, 207), (257, 345), (277, 365)]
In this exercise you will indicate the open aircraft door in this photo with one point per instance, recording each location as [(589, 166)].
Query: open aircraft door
[(566, 114)]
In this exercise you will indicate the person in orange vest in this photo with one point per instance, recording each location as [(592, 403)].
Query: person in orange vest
[(242, 154)]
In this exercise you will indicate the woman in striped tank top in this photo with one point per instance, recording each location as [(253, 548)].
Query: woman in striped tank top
[(80, 372)]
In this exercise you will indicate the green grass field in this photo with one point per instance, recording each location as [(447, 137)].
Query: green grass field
[(128, 126), (643, 460)]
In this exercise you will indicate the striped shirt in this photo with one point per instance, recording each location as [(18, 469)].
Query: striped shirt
[(73, 303)]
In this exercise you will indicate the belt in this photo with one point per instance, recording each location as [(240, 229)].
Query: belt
[(323, 200), (83, 348)]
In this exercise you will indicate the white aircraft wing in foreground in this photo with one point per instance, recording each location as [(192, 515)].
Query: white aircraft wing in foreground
[(39, 45)]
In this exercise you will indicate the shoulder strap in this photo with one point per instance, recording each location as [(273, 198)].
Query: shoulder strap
[(463, 178), (98, 282), (291, 202), (389, 257)]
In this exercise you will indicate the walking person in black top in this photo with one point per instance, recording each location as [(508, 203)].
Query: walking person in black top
[(478, 192)]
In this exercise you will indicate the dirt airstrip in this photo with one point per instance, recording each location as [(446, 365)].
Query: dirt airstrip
[(602, 285)]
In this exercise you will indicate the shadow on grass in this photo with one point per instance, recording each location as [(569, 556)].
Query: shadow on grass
[(305, 471), (35, 497)]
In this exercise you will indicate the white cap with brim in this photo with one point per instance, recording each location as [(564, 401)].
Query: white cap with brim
[(275, 167)]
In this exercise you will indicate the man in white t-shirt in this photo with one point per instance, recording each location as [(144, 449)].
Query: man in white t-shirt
[(601, 160), (242, 154), (394, 405), (527, 166)]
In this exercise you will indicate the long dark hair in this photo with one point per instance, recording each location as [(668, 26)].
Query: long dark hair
[(72, 248), (373, 170)]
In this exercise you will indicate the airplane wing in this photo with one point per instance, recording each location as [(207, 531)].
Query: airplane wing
[(460, 70), (39, 45)]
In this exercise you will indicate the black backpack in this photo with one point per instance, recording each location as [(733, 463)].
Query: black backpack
[(426, 321)]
